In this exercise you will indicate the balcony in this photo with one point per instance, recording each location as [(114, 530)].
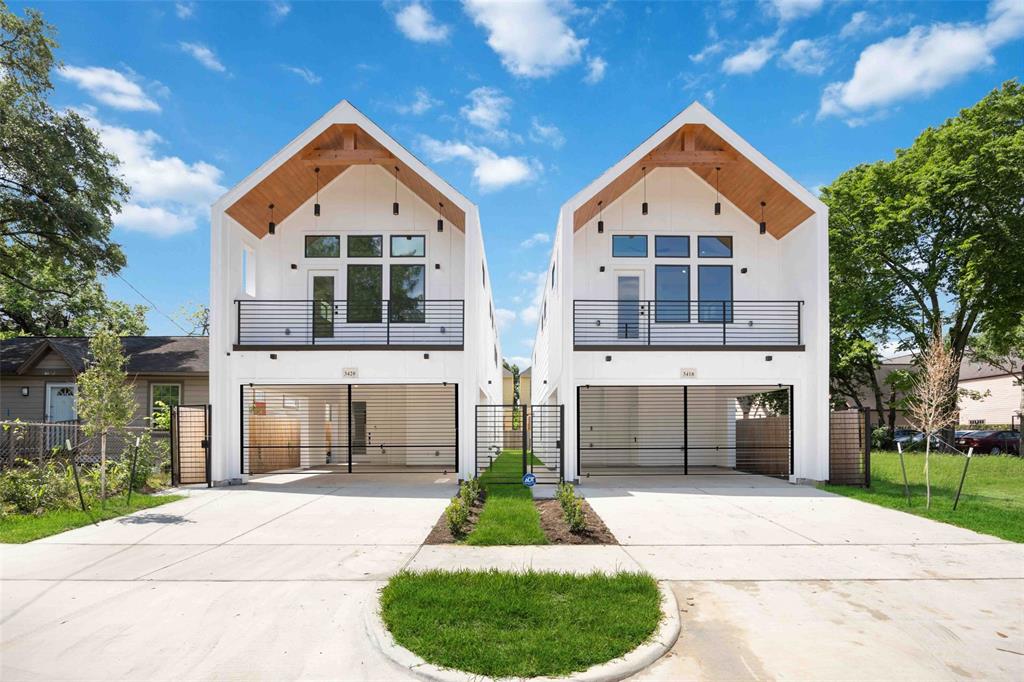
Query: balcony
[(687, 325), (349, 325)]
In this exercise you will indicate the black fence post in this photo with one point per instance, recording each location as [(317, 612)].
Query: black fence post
[(457, 462), (686, 430), (579, 443), (131, 478), (74, 470), (175, 444), (561, 443), (349, 411), (723, 323), (525, 413)]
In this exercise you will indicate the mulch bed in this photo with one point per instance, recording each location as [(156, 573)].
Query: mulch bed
[(552, 522)]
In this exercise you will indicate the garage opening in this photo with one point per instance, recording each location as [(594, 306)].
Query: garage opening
[(629, 430), (350, 428)]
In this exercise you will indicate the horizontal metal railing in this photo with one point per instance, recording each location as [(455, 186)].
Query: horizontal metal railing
[(350, 324), (689, 324)]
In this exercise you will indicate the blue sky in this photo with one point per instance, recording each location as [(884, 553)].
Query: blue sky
[(517, 105)]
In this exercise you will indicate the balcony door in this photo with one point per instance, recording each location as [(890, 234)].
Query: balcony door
[(629, 292), (321, 293)]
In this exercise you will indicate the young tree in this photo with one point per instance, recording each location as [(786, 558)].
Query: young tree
[(59, 188), (930, 408), (106, 399)]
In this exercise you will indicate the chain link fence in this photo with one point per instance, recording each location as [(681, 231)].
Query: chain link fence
[(41, 441)]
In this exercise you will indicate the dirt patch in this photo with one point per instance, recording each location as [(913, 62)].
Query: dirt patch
[(552, 521), (441, 535)]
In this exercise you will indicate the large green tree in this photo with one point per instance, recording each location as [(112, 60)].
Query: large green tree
[(930, 245), (59, 191)]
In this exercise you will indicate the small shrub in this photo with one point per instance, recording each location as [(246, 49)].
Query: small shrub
[(21, 489), (574, 516), (565, 494), (456, 514), (470, 491)]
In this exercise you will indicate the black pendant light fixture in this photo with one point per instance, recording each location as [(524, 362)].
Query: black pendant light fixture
[(440, 220), (394, 206), (643, 207), (764, 225), (316, 206), (600, 218), (272, 227), (718, 196)]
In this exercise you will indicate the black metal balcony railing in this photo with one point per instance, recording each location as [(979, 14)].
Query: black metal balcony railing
[(350, 324), (686, 324)]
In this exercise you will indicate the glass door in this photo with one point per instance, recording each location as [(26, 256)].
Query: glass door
[(629, 291), (321, 296)]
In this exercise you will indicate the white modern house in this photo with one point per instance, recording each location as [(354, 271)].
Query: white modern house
[(352, 327), (684, 324)]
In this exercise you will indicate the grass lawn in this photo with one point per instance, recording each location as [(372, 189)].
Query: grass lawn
[(992, 501), (520, 624), (19, 528), (509, 516)]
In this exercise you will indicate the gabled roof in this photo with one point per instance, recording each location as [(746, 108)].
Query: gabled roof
[(146, 354), (697, 140), (340, 139)]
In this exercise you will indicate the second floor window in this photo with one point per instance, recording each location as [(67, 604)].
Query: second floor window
[(672, 293), (408, 285), (322, 246), (714, 289), (365, 246), (629, 246), (412, 246)]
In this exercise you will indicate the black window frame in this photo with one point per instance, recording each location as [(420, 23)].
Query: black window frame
[(415, 311), (353, 314), (306, 239), (732, 244), (393, 237), (647, 247), (684, 237), (659, 306), (378, 237), (716, 310)]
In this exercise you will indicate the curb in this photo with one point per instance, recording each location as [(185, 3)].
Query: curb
[(611, 671)]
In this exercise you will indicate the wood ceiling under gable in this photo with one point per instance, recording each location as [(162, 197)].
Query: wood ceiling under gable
[(334, 151), (700, 149)]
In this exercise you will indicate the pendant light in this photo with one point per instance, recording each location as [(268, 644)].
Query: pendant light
[(600, 218), (764, 225), (440, 220), (394, 206), (316, 206), (271, 228), (718, 196), (643, 207)]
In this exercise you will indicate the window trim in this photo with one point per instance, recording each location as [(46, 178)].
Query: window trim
[(154, 384), (729, 309), (393, 237), (349, 237), (305, 245), (647, 246), (689, 251), (732, 244)]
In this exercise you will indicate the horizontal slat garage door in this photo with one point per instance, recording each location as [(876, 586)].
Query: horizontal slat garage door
[(684, 429), (377, 428)]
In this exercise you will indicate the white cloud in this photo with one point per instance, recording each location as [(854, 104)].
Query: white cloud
[(488, 109), (168, 195), (422, 103), (709, 98), (710, 50), (596, 67), (503, 317), (531, 312), (535, 239), (807, 56), (490, 171), (862, 23), (787, 10), (531, 37), (305, 74), (417, 23), (279, 9), (184, 10), (924, 60), (546, 134), (203, 55), (110, 87), (751, 60)]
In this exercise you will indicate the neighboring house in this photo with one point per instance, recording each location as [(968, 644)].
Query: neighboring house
[(684, 322), (508, 393), (352, 324), (995, 396), (38, 375)]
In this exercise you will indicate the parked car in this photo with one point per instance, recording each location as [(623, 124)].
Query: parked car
[(991, 442)]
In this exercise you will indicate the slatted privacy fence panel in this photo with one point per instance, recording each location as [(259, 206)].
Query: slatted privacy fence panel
[(849, 456)]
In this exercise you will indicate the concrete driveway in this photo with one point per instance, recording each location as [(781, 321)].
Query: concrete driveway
[(265, 581), (788, 582)]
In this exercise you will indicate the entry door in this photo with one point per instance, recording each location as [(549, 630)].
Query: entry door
[(629, 293), (321, 294), (60, 402), (358, 427)]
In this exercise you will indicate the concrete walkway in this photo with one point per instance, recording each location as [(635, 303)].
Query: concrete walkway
[(271, 581)]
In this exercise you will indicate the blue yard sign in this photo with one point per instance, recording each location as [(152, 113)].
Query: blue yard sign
[(529, 480)]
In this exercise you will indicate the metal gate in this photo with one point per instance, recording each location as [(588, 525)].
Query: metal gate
[(630, 430), (190, 444), (513, 440), (350, 428)]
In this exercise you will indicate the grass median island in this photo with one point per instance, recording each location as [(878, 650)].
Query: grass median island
[(503, 624), (509, 516), (992, 501), (20, 528)]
